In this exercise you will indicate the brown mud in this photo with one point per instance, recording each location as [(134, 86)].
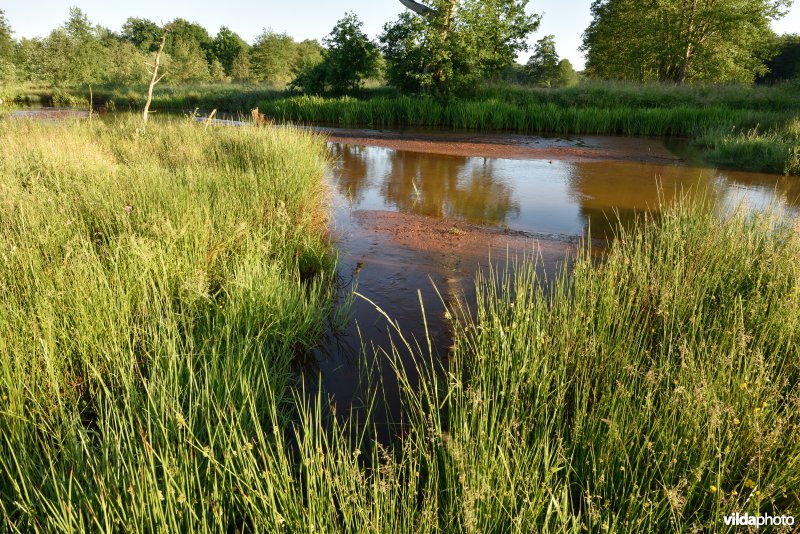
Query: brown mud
[(469, 241), (583, 149)]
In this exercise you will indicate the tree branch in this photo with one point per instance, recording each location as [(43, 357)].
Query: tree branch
[(416, 7)]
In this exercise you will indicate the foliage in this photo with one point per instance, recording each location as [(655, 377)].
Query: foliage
[(272, 56), (349, 58), (680, 41), (543, 65), (7, 50), (226, 47), (144, 34), (459, 44), (241, 70), (186, 62), (785, 64)]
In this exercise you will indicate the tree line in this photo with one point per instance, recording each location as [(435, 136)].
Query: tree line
[(443, 47)]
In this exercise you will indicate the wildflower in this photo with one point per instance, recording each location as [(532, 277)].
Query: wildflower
[(749, 484), (181, 498), (736, 421), (712, 489)]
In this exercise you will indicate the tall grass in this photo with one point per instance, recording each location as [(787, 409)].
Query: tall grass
[(159, 285)]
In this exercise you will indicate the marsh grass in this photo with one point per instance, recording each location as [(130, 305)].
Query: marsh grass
[(654, 391), (158, 285)]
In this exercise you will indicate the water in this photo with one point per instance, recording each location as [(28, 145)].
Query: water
[(399, 265)]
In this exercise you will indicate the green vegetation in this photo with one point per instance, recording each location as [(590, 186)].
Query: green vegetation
[(455, 44), (680, 41), (148, 378), (348, 59), (753, 128), (544, 69), (158, 286)]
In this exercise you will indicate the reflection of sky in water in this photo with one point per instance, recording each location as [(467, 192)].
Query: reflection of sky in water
[(538, 196)]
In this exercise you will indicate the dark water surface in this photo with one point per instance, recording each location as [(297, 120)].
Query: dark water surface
[(555, 202)]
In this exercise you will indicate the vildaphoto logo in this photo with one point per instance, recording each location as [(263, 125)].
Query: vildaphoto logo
[(747, 520)]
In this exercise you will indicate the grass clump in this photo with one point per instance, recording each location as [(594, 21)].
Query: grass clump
[(655, 391), (158, 285)]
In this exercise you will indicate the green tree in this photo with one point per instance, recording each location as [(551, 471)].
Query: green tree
[(241, 70), (543, 66), (227, 46), (785, 64), (186, 62), (7, 49), (567, 77), (680, 40), (308, 55), (144, 34), (452, 44), (272, 56), (350, 57), (185, 34), (126, 63)]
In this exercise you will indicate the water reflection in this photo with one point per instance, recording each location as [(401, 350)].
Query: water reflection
[(540, 197), (543, 198), (443, 186)]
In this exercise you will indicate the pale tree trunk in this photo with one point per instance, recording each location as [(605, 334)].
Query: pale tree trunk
[(155, 78), (689, 40)]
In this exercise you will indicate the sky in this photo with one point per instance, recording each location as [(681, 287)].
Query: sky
[(302, 19)]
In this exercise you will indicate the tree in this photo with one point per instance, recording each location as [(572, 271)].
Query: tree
[(543, 66), (7, 49), (567, 77), (680, 40), (186, 62), (785, 64), (144, 34), (308, 55), (449, 45), (272, 56), (240, 70), (348, 59), (189, 35), (227, 46)]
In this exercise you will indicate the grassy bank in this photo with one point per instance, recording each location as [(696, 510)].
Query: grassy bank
[(160, 284), (655, 392), (745, 127)]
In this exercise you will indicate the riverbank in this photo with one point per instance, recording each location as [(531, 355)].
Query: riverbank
[(740, 127), (163, 286)]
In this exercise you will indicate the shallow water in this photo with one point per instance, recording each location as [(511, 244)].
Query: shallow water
[(550, 203)]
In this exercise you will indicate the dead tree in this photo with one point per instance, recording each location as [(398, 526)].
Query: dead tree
[(155, 78)]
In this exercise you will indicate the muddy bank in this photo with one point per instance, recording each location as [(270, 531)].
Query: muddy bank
[(579, 149), (466, 240)]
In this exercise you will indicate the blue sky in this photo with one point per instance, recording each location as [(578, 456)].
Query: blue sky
[(566, 19)]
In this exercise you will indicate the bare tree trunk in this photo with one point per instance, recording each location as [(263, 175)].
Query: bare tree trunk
[(155, 78)]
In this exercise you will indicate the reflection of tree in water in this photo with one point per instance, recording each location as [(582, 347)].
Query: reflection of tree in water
[(608, 192), (352, 177), (447, 186)]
